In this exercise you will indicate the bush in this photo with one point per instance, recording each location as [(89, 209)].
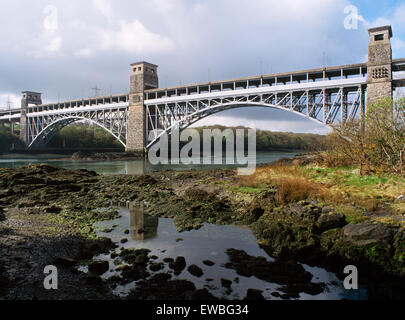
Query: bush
[(378, 145)]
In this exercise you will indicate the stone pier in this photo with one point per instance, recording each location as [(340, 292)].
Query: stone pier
[(379, 67), (28, 97), (143, 77)]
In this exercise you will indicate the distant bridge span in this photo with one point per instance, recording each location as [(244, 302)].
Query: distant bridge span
[(138, 119)]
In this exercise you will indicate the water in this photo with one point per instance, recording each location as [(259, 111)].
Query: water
[(208, 243), (133, 167)]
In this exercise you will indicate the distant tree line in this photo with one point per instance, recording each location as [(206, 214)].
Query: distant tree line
[(270, 141), (85, 136), (9, 141)]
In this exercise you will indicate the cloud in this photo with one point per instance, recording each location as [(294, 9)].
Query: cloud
[(265, 119), (134, 37)]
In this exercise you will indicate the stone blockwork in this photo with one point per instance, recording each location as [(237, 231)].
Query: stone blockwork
[(28, 97), (143, 77), (379, 74)]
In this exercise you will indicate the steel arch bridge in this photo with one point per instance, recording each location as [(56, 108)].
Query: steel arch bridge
[(324, 103), (139, 118)]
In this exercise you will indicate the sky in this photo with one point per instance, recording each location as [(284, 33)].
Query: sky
[(65, 48)]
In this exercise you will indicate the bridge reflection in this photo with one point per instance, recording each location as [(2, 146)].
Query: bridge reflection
[(142, 225)]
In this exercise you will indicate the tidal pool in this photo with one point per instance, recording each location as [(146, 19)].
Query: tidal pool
[(210, 242)]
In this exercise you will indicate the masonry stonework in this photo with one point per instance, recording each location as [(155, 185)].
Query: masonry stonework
[(143, 77), (28, 97), (379, 67)]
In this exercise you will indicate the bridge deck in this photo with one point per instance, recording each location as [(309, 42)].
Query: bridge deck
[(344, 75)]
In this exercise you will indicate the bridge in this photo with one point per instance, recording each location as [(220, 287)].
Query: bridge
[(138, 118)]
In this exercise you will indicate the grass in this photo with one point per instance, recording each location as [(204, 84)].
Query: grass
[(342, 187)]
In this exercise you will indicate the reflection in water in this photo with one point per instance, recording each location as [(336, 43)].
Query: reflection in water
[(136, 167), (142, 226)]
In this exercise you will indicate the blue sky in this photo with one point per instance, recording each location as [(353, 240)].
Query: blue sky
[(93, 43)]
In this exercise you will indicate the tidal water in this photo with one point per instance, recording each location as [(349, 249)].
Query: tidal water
[(208, 243), (134, 167)]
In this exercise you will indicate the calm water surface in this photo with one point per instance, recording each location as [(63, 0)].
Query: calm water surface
[(208, 243), (121, 167)]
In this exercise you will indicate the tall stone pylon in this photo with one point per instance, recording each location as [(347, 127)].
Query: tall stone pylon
[(379, 67), (28, 97), (143, 77)]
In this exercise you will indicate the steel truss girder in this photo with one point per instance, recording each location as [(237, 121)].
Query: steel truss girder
[(321, 106), (41, 128)]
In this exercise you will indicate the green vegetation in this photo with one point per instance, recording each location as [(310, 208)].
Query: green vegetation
[(8, 140), (270, 141), (376, 146), (83, 135)]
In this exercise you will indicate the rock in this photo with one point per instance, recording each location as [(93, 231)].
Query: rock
[(366, 233), (277, 271), (99, 267), (65, 262), (168, 260), (257, 212), (330, 220), (93, 279), (141, 259), (200, 295), (124, 240), (178, 265), (226, 283), (254, 294), (126, 231), (293, 290), (156, 267), (195, 270), (208, 263)]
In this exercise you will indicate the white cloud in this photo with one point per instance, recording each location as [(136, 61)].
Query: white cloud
[(53, 45), (134, 37), (85, 52), (300, 126), (9, 100)]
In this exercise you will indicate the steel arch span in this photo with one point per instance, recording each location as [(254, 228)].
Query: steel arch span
[(322, 107), (41, 129)]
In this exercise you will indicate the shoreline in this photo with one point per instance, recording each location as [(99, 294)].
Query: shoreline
[(190, 198)]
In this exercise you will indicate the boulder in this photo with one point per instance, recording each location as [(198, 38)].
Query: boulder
[(254, 294), (65, 262), (195, 270), (367, 233), (99, 267), (178, 265)]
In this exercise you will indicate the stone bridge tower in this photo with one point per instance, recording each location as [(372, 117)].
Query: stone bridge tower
[(379, 74), (143, 77), (28, 97)]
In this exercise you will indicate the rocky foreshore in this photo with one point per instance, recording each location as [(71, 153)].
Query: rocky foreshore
[(105, 156), (48, 215)]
